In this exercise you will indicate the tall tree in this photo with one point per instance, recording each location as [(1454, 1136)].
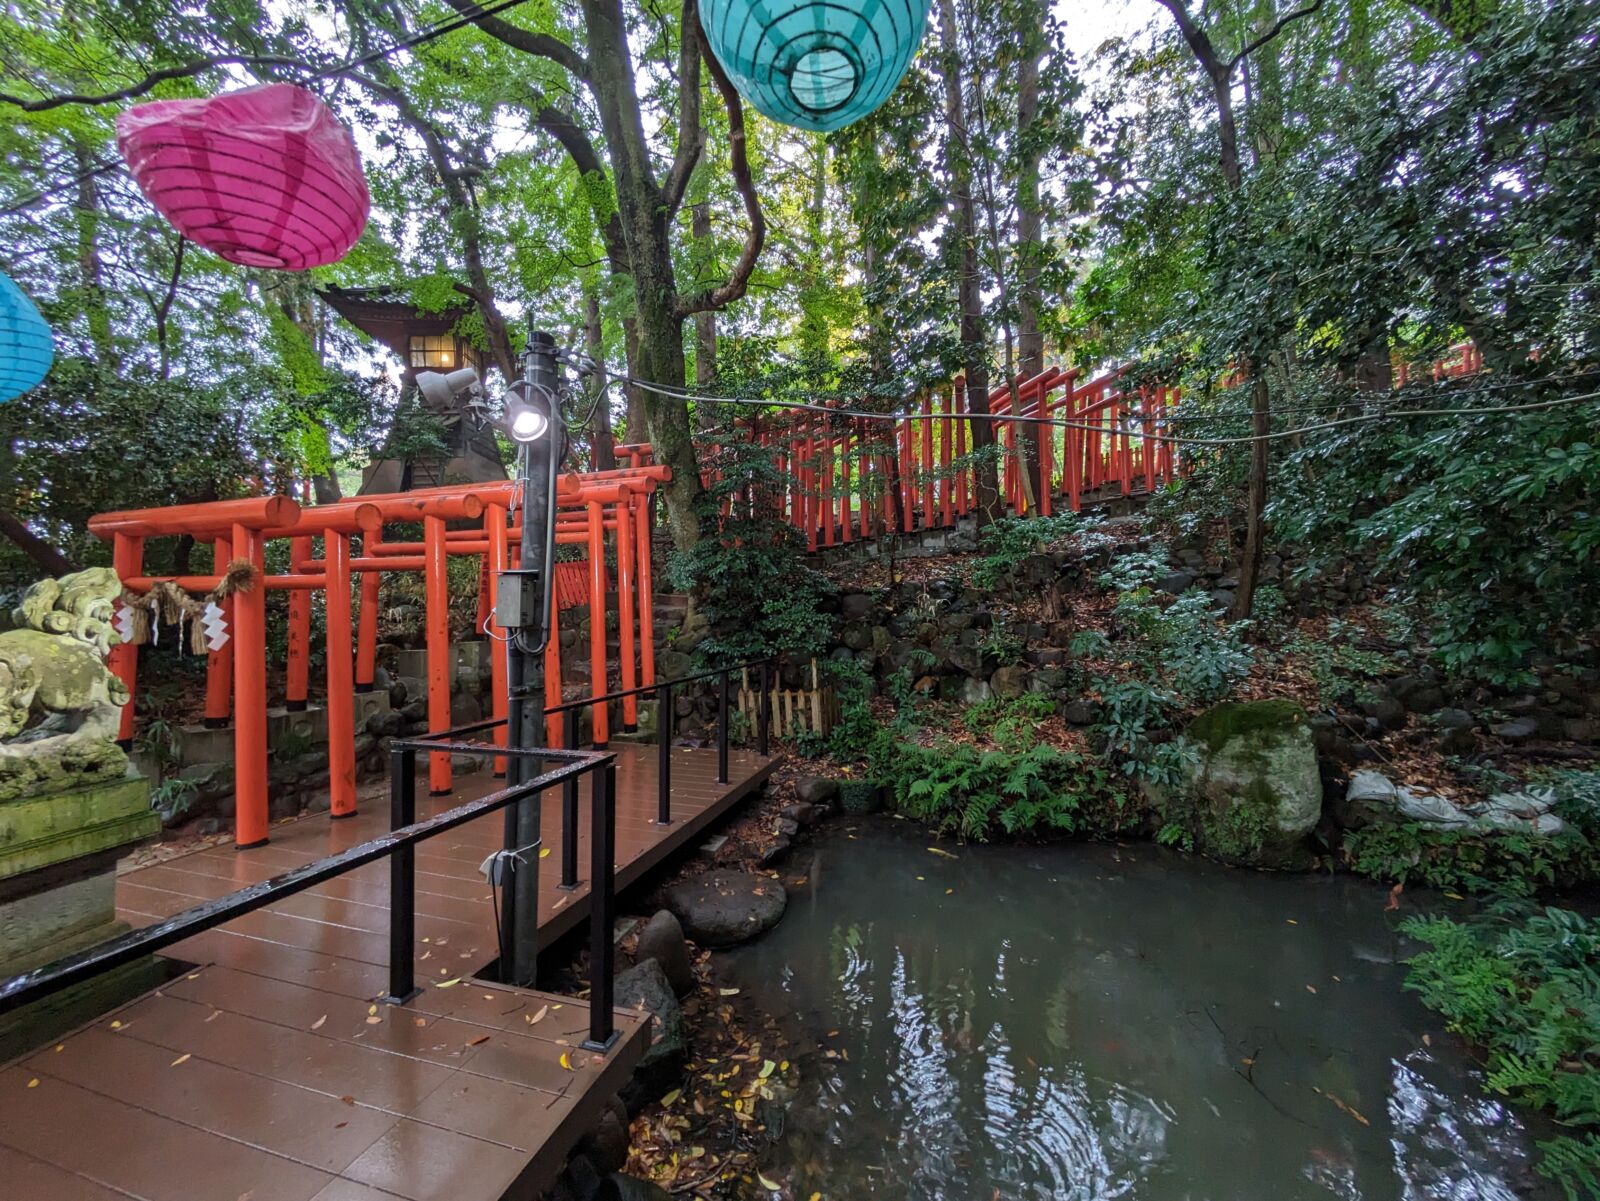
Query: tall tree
[(640, 242)]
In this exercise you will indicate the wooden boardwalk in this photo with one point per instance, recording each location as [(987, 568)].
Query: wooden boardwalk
[(268, 1073)]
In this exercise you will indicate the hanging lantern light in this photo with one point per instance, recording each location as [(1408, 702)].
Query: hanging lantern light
[(26, 347), (814, 64), (264, 177)]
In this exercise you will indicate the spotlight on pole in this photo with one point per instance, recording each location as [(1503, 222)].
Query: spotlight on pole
[(528, 411)]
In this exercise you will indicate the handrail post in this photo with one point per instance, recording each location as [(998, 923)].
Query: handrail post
[(664, 723), (722, 730), (569, 810), (602, 907), (402, 879), (764, 712)]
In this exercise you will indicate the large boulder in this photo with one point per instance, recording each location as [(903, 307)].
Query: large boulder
[(1257, 785), (724, 909)]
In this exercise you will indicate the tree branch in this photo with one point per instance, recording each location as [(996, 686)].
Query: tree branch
[(155, 78), (1199, 41), (739, 278), (43, 555), (691, 133), (542, 44), (561, 126), (478, 288), (1272, 32)]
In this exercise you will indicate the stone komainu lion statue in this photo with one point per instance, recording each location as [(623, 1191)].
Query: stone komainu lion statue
[(59, 705)]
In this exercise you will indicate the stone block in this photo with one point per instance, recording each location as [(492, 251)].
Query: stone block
[(39, 832)]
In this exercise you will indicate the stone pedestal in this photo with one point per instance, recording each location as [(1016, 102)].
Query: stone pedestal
[(58, 862)]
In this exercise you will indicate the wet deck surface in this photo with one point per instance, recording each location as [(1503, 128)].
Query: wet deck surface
[(268, 1073)]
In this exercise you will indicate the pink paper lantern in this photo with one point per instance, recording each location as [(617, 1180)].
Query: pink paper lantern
[(265, 177)]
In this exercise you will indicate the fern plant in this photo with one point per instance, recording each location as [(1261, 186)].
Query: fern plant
[(1525, 986)]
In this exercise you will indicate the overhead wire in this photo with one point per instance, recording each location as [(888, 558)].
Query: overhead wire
[(1135, 431), (422, 36)]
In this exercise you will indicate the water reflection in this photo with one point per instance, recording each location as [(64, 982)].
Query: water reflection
[(1086, 1022)]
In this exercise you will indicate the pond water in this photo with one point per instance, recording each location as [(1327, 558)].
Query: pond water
[(1082, 1022)]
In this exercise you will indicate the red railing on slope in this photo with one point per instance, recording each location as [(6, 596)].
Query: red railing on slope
[(851, 478)]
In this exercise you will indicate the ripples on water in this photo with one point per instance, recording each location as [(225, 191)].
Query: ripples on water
[(1085, 1022)]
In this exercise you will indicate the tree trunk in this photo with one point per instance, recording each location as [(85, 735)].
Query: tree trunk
[(637, 429), (705, 324), (647, 236), (1030, 249), (974, 348), (600, 440), (91, 283), (1250, 562)]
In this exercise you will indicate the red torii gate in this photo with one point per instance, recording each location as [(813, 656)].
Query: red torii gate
[(589, 507)]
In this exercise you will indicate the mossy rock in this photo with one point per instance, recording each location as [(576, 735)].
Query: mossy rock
[(1258, 792), (860, 797)]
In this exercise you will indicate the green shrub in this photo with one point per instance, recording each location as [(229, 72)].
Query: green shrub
[(1525, 986), (1471, 860), (1010, 540), (977, 794)]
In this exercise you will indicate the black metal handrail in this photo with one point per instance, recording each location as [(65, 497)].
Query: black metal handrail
[(664, 720), (399, 847)]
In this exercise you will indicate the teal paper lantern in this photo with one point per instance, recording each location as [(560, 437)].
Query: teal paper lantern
[(26, 347), (818, 65)]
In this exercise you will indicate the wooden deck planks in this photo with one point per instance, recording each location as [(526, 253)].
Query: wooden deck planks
[(271, 1073)]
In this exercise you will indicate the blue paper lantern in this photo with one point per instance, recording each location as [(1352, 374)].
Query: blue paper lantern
[(815, 65), (26, 347)]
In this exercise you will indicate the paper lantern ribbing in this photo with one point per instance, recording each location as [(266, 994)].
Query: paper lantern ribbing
[(265, 177), (814, 64), (26, 348)]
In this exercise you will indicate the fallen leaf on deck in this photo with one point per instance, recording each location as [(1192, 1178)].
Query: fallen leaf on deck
[(348, 1100), (419, 1021), (534, 1019), (34, 1083), (479, 1041), (374, 1020), (372, 1009), (938, 851), (566, 1061), (544, 852), (449, 983), (213, 1015), (184, 1058), (729, 992), (340, 1125)]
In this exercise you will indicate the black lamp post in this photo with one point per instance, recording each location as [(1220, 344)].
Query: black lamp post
[(522, 608)]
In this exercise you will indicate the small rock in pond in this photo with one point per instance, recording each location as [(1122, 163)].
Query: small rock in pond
[(631, 1188), (816, 790), (724, 909), (646, 987), (662, 940), (801, 812)]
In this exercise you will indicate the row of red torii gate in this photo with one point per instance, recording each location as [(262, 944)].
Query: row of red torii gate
[(836, 492), (844, 478)]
